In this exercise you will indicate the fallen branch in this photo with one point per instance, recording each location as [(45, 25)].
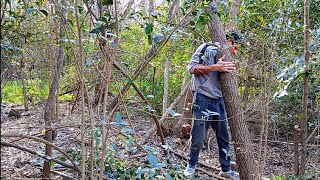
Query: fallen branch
[(48, 158), (44, 142), (199, 162), (211, 174), (63, 175), (137, 155), (290, 143)]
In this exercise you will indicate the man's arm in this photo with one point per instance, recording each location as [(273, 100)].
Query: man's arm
[(220, 66)]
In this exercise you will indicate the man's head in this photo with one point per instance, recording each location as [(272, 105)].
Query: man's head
[(232, 40)]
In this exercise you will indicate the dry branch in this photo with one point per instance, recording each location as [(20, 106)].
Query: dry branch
[(48, 158), (44, 142), (63, 175)]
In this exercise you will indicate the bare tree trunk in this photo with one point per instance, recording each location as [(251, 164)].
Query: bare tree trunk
[(296, 149), (83, 149), (24, 87), (151, 9), (166, 85), (110, 58), (305, 88), (238, 126), (57, 102), (167, 66), (49, 111)]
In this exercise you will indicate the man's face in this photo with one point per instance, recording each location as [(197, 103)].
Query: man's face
[(233, 49)]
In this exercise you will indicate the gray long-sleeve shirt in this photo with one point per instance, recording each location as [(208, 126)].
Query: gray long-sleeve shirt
[(206, 84)]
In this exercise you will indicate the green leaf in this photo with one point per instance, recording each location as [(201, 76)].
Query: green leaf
[(118, 118), (150, 96), (115, 147), (153, 160), (152, 172), (160, 165), (130, 131), (149, 39), (44, 12), (103, 122), (149, 28), (96, 30), (107, 2), (80, 9), (172, 112), (31, 10), (150, 108), (168, 176)]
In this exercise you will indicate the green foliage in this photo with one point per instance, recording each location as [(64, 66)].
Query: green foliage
[(36, 91), (118, 166)]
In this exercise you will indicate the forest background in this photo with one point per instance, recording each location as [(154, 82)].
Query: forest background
[(67, 67)]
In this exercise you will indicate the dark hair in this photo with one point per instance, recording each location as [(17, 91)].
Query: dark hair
[(234, 36)]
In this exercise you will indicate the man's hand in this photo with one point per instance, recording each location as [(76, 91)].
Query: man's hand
[(223, 66), (220, 66)]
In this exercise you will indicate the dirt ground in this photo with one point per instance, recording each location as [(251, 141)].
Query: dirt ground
[(17, 164)]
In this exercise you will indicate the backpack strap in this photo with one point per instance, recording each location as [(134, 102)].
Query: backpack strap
[(202, 52)]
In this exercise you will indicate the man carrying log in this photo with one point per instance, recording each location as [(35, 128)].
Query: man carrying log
[(208, 105)]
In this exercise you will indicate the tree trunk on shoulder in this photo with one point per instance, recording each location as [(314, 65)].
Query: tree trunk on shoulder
[(237, 121)]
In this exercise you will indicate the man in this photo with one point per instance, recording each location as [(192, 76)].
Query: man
[(208, 105)]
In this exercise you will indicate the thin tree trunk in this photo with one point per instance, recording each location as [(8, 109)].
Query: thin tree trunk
[(305, 88), (48, 110), (24, 87), (296, 149), (166, 85), (57, 102), (239, 130), (108, 72), (83, 147), (167, 66)]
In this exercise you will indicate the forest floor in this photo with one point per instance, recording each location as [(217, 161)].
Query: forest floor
[(17, 164)]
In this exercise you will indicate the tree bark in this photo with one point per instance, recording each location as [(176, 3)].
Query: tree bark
[(48, 110), (305, 88), (238, 126), (167, 67), (81, 62), (296, 149), (24, 87), (233, 15)]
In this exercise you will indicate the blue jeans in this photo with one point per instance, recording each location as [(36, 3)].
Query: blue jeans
[(200, 127)]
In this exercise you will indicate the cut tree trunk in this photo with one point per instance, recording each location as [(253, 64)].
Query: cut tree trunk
[(237, 121)]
